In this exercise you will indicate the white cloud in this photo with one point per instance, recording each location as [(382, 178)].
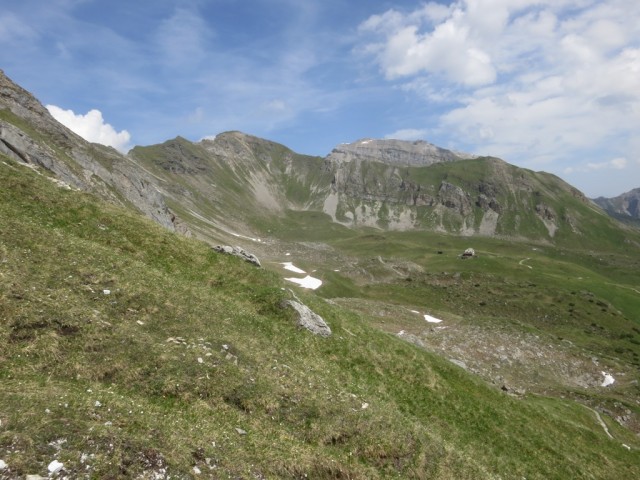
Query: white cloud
[(449, 49), (275, 105), (92, 127), (537, 82), (614, 164)]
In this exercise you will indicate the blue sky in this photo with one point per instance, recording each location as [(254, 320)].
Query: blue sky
[(549, 85)]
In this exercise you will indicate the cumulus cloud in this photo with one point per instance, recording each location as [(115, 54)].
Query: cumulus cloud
[(92, 127), (613, 164), (551, 84), (435, 39)]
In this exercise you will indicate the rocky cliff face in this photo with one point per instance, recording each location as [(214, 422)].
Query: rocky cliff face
[(29, 134), (625, 206), (449, 193), (394, 152)]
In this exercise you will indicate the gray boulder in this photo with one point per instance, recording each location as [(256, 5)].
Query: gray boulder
[(309, 319), (238, 252)]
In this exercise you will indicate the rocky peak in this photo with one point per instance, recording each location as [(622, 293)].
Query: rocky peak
[(395, 152), (18, 100), (234, 144), (625, 205)]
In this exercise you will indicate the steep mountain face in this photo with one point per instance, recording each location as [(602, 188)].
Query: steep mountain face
[(623, 207), (234, 182), (240, 183), (29, 134), (394, 152), (483, 196)]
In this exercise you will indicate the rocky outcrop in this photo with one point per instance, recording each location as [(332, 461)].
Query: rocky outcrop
[(238, 252), (29, 134), (625, 205), (468, 253), (308, 319), (455, 198), (394, 152)]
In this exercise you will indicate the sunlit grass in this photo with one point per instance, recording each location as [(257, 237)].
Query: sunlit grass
[(128, 350)]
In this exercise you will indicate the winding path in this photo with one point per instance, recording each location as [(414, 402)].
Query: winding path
[(521, 262), (604, 425)]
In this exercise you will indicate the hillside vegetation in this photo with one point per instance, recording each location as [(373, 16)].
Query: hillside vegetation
[(129, 351)]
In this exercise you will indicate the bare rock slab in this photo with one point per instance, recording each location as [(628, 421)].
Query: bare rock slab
[(309, 319), (238, 252)]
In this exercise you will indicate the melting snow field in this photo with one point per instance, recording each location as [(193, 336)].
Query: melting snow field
[(428, 318), (608, 379), (291, 267), (431, 319), (307, 282)]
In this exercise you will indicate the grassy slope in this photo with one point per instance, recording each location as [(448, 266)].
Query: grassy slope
[(90, 378), (585, 296), (578, 305), (221, 188)]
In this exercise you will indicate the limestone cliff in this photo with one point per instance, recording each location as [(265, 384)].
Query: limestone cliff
[(29, 134)]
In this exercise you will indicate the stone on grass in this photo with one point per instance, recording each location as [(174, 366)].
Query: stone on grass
[(309, 319), (238, 252), (459, 363), (54, 467), (513, 391), (468, 253)]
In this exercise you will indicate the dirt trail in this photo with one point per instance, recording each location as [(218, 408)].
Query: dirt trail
[(604, 425), (521, 262)]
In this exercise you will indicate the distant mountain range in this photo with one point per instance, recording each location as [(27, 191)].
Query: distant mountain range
[(625, 207), (240, 183)]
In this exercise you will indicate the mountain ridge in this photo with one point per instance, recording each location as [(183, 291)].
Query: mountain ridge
[(625, 207), (239, 182), (394, 152)]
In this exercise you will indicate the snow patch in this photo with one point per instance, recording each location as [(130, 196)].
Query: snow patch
[(608, 379), (431, 319), (307, 282), (291, 267)]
